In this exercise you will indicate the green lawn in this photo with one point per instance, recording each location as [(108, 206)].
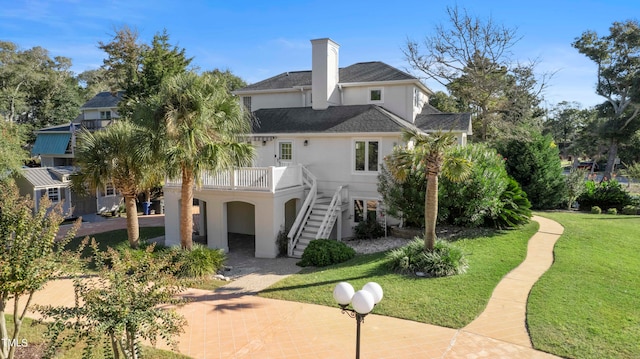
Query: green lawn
[(451, 302), (588, 304)]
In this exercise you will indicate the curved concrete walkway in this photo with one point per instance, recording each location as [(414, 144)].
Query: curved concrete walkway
[(233, 323)]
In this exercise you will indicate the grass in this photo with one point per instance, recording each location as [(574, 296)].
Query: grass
[(33, 332), (451, 301), (586, 305)]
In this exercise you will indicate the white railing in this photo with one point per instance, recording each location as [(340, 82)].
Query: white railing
[(267, 179), (335, 208), (298, 225)]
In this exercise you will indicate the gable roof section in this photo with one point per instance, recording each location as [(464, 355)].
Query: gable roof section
[(104, 99), (51, 143), (360, 72), (335, 119), (41, 177), (431, 119)]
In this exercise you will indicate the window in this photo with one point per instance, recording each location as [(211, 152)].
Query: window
[(366, 156), (416, 97), (246, 101), (105, 115), (54, 194), (375, 95), (109, 190), (286, 151), (364, 209)]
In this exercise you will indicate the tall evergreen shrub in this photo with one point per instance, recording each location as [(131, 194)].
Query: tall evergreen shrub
[(535, 163)]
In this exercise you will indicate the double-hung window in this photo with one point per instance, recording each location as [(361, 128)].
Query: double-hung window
[(53, 194), (366, 156), (109, 190), (105, 115)]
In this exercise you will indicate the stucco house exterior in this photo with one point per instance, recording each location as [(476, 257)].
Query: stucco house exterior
[(320, 137), (56, 148)]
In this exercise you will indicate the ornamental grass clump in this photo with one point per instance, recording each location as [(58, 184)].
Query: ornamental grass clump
[(445, 259), (198, 262)]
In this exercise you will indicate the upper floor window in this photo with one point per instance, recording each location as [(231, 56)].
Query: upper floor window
[(416, 97), (375, 95), (246, 101), (366, 156), (105, 115), (53, 194)]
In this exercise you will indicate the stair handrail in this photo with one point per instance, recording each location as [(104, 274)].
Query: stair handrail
[(332, 213), (298, 225)]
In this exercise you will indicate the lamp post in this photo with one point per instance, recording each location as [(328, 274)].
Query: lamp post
[(362, 302)]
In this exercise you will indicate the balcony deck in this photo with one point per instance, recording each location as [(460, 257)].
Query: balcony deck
[(260, 179)]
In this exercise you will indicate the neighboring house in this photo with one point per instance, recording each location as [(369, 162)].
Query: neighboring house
[(56, 148), (320, 137), (51, 182)]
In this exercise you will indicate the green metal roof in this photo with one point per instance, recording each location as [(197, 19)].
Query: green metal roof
[(51, 144)]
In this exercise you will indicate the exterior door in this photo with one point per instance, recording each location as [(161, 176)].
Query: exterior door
[(285, 153)]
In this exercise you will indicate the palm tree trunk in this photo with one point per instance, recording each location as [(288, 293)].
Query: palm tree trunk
[(133, 228), (186, 210), (430, 212)]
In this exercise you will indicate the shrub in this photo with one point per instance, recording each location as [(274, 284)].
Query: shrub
[(444, 260), (282, 241), (369, 229), (575, 185), (489, 197), (606, 194), (475, 200), (535, 164), (516, 208), (403, 200), (612, 211), (198, 262), (596, 210), (324, 252), (629, 210)]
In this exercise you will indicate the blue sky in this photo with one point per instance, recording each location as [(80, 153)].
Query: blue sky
[(259, 39)]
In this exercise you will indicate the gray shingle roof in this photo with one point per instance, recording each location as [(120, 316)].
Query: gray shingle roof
[(335, 119), (359, 72), (104, 100), (46, 176), (431, 119)]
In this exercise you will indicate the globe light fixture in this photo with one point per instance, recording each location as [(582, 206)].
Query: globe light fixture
[(362, 302)]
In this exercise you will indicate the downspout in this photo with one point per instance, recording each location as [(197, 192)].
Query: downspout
[(341, 94)]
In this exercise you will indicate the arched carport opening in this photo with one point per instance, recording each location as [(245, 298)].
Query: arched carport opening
[(241, 227)]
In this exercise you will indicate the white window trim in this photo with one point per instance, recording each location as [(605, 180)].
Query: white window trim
[(293, 152), (57, 189), (364, 199), (366, 171), (370, 89), (107, 115), (105, 194)]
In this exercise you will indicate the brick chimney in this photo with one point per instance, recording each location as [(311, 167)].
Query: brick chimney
[(324, 73)]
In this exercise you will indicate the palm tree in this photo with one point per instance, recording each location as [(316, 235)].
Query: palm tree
[(115, 155), (428, 155), (197, 124)]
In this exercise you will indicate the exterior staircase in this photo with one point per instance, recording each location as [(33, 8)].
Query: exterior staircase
[(312, 226), (316, 217)]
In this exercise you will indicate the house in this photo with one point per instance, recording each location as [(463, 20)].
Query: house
[(320, 137), (51, 182), (55, 146)]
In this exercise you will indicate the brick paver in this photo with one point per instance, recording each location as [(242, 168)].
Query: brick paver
[(236, 324)]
